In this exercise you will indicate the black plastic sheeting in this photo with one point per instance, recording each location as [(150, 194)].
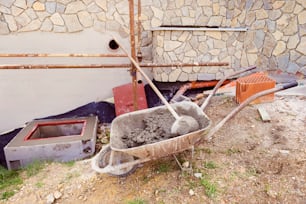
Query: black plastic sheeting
[(103, 110), (5, 139)]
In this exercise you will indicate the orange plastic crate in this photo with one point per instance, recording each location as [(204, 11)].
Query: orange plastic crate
[(250, 85)]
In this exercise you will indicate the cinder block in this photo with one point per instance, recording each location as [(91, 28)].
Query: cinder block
[(59, 140)]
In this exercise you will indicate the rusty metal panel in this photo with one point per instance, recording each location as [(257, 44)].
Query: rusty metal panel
[(123, 97)]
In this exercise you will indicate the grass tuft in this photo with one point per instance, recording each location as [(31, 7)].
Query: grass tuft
[(9, 180), (210, 188), (33, 168), (137, 201), (210, 165)]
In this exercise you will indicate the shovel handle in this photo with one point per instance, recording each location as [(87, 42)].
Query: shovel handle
[(245, 103), (155, 89)]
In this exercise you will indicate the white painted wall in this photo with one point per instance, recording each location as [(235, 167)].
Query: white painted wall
[(29, 94)]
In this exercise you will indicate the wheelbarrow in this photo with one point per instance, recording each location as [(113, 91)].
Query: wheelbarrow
[(118, 159)]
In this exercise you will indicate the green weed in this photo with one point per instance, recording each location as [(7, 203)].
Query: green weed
[(39, 184), (9, 181), (137, 201), (70, 163), (163, 167), (210, 165), (6, 195), (233, 151), (210, 188), (33, 168)]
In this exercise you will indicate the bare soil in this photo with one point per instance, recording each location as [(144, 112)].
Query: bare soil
[(247, 161)]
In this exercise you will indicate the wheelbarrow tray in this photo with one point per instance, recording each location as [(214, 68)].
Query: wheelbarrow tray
[(124, 124)]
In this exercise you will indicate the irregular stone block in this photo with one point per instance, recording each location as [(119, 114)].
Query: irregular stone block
[(260, 24), (274, 14), (174, 75), (302, 2), (206, 77), (278, 4), (23, 19), (21, 4), (51, 7), (38, 6), (31, 13), (293, 41), (302, 60), (292, 68), (47, 25), (16, 11), (288, 7), (74, 7), (302, 17), (215, 21), (57, 19), (171, 45), (158, 13), (282, 61), (60, 8), (102, 4), (302, 46), (259, 38), (7, 3), (261, 14), (4, 28), (183, 77), (280, 48), (72, 23), (85, 19), (93, 8), (292, 27), (123, 7), (32, 26), (10, 20)]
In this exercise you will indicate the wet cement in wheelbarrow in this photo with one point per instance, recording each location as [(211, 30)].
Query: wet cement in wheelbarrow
[(157, 127)]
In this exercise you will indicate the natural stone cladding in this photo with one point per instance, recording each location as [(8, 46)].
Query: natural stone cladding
[(276, 36)]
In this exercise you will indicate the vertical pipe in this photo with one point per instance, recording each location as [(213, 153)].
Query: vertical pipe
[(133, 53), (139, 54)]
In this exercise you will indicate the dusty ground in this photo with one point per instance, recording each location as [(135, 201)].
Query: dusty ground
[(248, 161)]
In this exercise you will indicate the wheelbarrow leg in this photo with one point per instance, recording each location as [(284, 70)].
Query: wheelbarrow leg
[(188, 169)]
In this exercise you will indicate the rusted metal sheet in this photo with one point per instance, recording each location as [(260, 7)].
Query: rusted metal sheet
[(124, 100)]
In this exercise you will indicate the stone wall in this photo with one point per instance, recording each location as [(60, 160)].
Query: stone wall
[(276, 38), (61, 16)]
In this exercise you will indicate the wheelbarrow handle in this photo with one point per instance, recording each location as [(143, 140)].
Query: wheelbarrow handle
[(245, 103), (206, 102)]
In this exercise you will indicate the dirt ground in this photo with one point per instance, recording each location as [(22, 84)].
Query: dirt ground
[(247, 161)]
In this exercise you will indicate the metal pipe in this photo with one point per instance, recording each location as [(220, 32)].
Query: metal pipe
[(144, 65), (62, 66), (133, 53), (60, 55), (186, 64), (139, 54), (177, 28), (66, 66)]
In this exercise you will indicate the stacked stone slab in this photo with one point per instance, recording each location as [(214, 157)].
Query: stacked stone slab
[(276, 38)]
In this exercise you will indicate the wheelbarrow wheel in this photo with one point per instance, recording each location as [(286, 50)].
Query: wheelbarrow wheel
[(118, 158)]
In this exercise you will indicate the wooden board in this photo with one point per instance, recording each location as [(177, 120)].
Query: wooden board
[(264, 114)]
